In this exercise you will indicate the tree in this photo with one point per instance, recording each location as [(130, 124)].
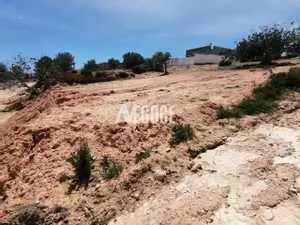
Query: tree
[(89, 67), (3, 73), (294, 43), (132, 59), (265, 45), (149, 64), (160, 61), (3, 68), (44, 71), (19, 69), (64, 62), (113, 63)]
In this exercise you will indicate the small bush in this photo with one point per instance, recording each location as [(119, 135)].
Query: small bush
[(223, 113), (110, 169), (82, 162), (256, 105), (3, 68), (113, 64), (146, 153), (123, 75), (89, 67), (293, 79), (264, 98), (181, 133), (225, 62), (139, 69), (28, 215)]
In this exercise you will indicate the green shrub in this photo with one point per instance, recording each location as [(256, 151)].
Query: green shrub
[(223, 113), (160, 61), (44, 72), (138, 69), (89, 67), (82, 162), (248, 106), (225, 62), (113, 64), (64, 62), (132, 59), (3, 68), (181, 133), (5, 77), (28, 215), (256, 105), (293, 79), (123, 75), (267, 44), (110, 169), (146, 153), (264, 97)]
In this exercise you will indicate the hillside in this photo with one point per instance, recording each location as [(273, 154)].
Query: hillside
[(246, 171)]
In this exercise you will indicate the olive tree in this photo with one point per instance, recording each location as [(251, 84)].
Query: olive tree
[(44, 71), (265, 45), (64, 62), (160, 61), (3, 73), (3, 68), (113, 63), (20, 68), (89, 67), (132, 59)]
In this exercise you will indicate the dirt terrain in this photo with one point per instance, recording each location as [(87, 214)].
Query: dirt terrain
[(248, 171)]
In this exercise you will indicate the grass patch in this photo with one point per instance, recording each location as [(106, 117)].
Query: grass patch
[(110, 169), (146, 153), (181, 133), (82, 163), (264, 98)]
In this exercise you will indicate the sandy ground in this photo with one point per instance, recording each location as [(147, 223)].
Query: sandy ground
[(252, 179)]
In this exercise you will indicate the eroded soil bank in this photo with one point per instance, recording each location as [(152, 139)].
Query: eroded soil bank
[(251, 178)]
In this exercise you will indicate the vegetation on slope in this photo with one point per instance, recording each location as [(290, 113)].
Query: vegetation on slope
[(264, 98)]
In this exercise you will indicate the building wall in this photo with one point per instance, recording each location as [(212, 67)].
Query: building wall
[(197, 59), (211, 49), (206, 59)]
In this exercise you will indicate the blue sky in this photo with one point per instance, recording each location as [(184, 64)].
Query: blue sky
[(102, 29)]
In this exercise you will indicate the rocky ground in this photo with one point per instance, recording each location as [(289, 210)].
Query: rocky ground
[(247, 172), (254, 178)]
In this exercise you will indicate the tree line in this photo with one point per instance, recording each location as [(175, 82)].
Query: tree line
[(269, 43), (131, 61), (46, 68), (48, 71)]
